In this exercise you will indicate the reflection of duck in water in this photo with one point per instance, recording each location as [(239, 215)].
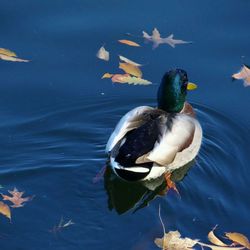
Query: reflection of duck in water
[(149, 142), (124, 196)]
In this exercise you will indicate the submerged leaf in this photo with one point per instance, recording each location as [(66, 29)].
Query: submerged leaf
[(130, 69), (239, 238), (130, 43), (243, 74), (103, 54), (214, 239), (156, 39), (5, 210), (124, 59)]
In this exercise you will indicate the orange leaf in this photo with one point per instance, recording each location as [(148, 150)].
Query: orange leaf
[(107, 75), (131, 69), (121, 78), (5, 210), (239, 238), (16, 198), (130, 43)]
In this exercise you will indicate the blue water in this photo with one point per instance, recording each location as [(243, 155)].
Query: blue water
[(56, 115)]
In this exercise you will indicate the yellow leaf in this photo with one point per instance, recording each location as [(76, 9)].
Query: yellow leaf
[(5, 210), (124, 59), (7, 52), (239, 238), (214, 239), (130, 43), (12, 59), (131, 69), (103, 54), (107, 75)]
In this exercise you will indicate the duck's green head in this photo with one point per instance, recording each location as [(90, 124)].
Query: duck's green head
[(173, 90)]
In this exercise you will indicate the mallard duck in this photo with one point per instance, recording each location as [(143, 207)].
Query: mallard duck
[(149, 142)]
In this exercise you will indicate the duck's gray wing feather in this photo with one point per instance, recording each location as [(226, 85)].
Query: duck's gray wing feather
[(131, 120)]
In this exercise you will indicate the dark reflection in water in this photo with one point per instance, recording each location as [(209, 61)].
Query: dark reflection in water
[(124, 196)]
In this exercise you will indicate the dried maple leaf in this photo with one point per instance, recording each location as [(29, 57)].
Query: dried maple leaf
[(243, 74), (173, 241), (156, 39), (124, 59), (16, 198), (5, 210), (130, 69), (130, 43), (239, 238)]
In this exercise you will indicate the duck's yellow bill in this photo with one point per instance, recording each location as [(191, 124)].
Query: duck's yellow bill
[(191, 86)]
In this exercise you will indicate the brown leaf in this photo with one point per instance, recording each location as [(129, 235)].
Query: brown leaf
[(16, 198), (7, 52), (12, 59), (156, 39), (239, 238), (131, 69), (103, 54), (130, 43), (5, 210), (214, 239), (243, 74)]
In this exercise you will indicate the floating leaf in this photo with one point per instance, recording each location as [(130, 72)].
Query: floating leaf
[(243, 74), (213, 247), (103, 54), (173, 241), (131, 69), (214, 239), (7, 52), (239, 238), (12, 59), (130, 43), (121, 78), (126, 78), (156, 39), (135, 80), (16, 198), (124, 59), (5, 210), (107, 75)]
